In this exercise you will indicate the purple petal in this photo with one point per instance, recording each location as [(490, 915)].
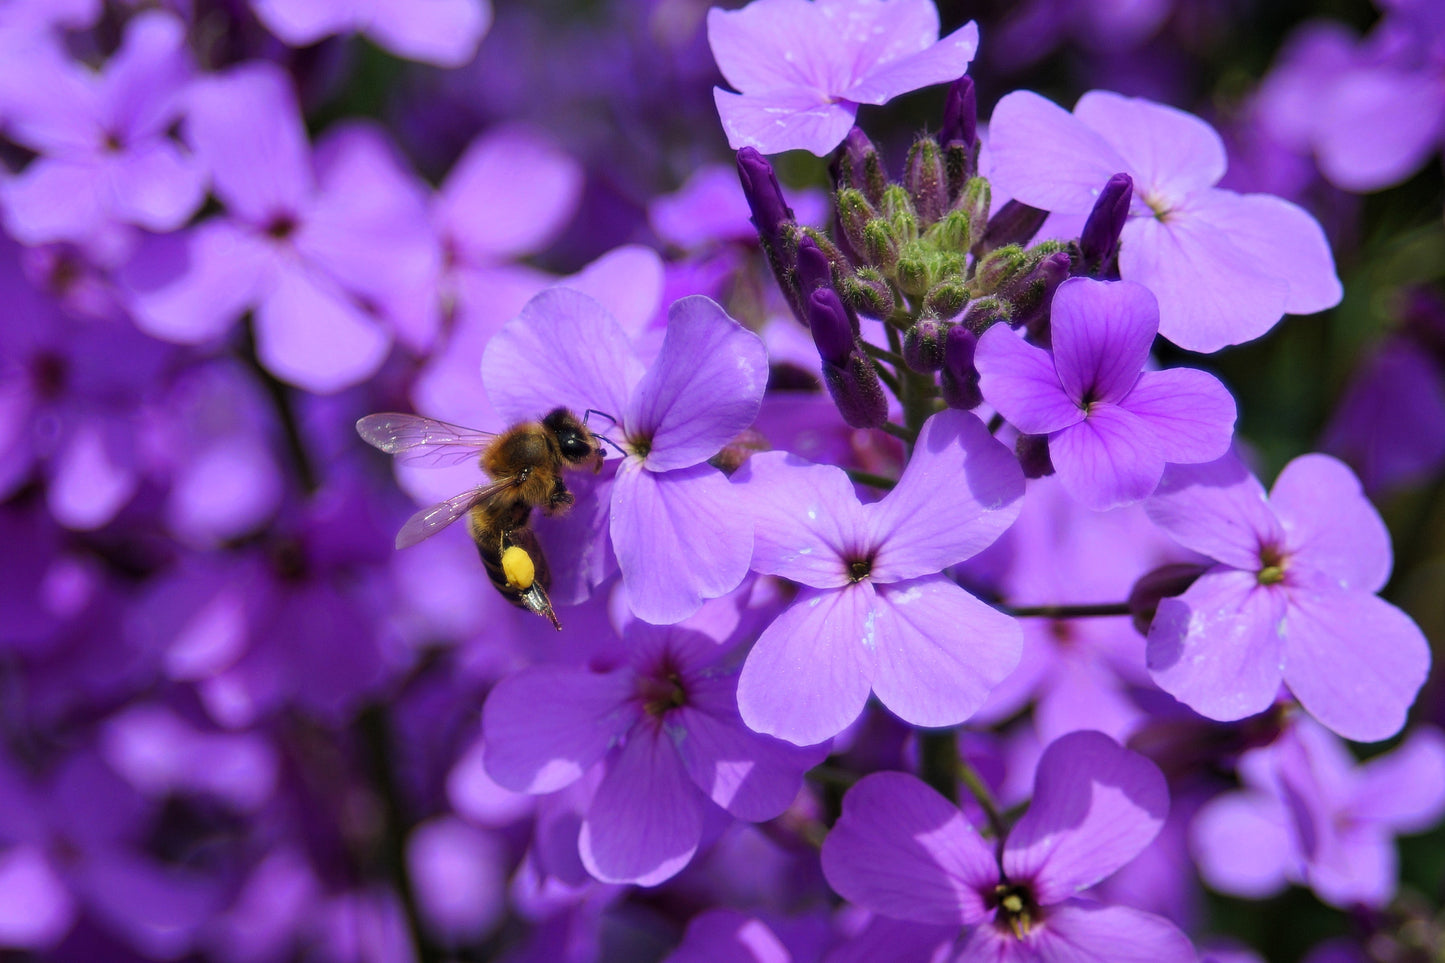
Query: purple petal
[(191, 287), (938, 650), (778, 44), (1243, 845), (1354, 661), (1217, 647), (155, 186), (1191, 413), (1082, 932), (961, 490), (245, 128), (303, 22), (1217, 509), (1383, 124), (563, 349), (36, 908), (782, 120), (1330, 526), (941, 63), (1109, 459), (1102, 332), (645, 822), (1096, 805), (1212, 292), (1284, 240), (312, 335), (754, 777), (728, 936), (460, 876), (91, 477), (1021, 381), (53, 200), (146, 78), (808, 675), (1046, 157), (1169, 153), (545, 726), (628, 282), (806, 518), (508, 195), (704, 387), (441, 32), (671, 550), (1404, 790), (902, 850)]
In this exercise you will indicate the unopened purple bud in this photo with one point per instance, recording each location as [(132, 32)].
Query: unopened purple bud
[(831, 326), (1031, 295), (859, 167), (1100, 239), (857, 391), (765, 197), (983, 313), (1033, 455), (1161, 583), (1014, 223), (923, 176), (813, 270), (923, 345), (867, 292), (960, 377), (960, 114)]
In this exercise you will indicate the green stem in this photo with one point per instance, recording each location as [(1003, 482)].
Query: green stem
[(871, 480), (938, 761), (974, 783), (887, 377), (1068, 611), (907, 436), (883, 354)]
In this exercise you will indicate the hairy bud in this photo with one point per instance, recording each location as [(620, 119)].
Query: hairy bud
[(923, 176), (1014, 223), (859, 167), (960, 378), (857, 391), (923, 345)]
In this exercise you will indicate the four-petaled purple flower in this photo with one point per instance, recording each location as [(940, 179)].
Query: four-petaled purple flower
[(665, 505), (1309, 814), (1290, 599), (665, 725), (1224, 266), (803, 66), (902, 850), (1111, 427), (876, 613)]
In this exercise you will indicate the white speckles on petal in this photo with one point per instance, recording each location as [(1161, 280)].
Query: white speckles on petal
[(870, 640)]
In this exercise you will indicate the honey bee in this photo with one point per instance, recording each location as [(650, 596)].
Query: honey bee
[(524, 465)]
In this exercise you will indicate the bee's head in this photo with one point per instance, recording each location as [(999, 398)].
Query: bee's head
[(577, 443)]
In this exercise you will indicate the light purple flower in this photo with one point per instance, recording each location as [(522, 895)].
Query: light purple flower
[(441, 32), (332, 252), (1224, 266), (902, 850), (105, 157), (1111, 426), (667, 508), (803, 66), (1290, 599), (875, 613), (727, 936), (666, 728), (1309, 814)]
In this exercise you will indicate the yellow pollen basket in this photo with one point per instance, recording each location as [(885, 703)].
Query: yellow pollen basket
[(517, 566)]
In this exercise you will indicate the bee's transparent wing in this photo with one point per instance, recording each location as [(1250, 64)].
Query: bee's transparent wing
[(424, 442), (429, 521)]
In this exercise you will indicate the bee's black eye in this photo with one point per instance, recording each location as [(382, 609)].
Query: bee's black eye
[(574, 446)]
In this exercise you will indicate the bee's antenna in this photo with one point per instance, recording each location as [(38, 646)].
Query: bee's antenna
[(620, 450), (594, 411)]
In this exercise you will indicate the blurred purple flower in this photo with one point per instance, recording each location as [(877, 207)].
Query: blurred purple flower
[(666, 727), (804, 66), (105, 157), (1291, 599), (904, 851), (441, 32), (875, 613), (333, 252), (1224, 266), (1111, 426), (1309, 814), (667, 505)]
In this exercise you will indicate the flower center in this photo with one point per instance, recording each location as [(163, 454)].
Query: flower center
[(661, 693), (1015, 909), (860, 568), (1272, 566)]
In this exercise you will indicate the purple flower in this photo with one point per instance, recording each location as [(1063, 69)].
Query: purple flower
[(441, 32), (666, 728), (1111, 426), (105, 157), (1309, 814), (804, 66), (331, 257), (902, 850), (1224, 266), (875, 612), (1290, 599), (669, 509)]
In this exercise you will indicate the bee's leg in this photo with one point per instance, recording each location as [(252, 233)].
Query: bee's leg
[(560, 500), (525, 569)]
